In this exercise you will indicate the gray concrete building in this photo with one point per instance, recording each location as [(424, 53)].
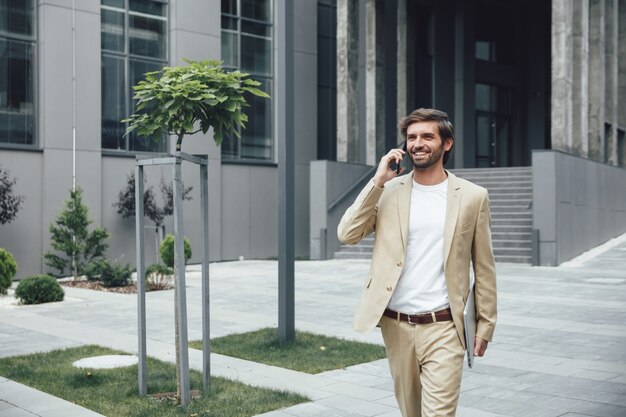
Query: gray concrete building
[(526, 83)]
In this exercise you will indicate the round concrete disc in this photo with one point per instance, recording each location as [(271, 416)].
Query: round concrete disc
[(106, 362)]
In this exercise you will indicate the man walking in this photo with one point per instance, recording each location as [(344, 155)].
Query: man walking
[(429, 225)]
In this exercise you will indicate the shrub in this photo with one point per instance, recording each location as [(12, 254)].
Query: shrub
[(112, 274), (8, 268), (70, 236), (167, 250), (10, 203), (158, 277), (39, 289)]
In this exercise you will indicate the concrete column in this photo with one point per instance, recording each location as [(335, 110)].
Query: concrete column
[(562, 75), (621, 96), (580, 83), (597, 77), (464, 85), (374, 80), (401, 69), (611, 85), (347, 78)]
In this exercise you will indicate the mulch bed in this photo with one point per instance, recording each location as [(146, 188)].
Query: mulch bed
[(171, 396), (96, 285)]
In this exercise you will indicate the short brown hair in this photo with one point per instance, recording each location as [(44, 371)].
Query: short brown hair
[(430, 115)]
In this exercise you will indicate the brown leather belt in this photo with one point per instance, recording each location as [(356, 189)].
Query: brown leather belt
[(423, 318)]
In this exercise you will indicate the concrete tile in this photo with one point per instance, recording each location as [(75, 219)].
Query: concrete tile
[(574, 366)]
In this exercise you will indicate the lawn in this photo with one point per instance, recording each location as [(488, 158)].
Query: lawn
[(113, 392), (309, 352)]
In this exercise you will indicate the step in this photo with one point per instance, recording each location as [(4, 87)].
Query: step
[(513, 251), (514, 259), (495, 182), (510, 193), (497, 178), (511, 229), (510, 201), (509, 243), (511, 236), (505, 170), (512, 222), (352, 255), (357, 248), (520, 208), (505, 215)]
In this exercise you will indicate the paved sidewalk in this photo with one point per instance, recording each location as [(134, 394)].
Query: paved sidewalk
[(559, 348)]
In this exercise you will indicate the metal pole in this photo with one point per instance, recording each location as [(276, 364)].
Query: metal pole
[(283, 111), (141, 289), (206, 311), (181, 297)]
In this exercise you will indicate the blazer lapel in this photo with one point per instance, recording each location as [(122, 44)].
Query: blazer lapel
[(452, 213), (404, 205)]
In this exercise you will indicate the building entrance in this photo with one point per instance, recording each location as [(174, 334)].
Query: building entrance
[(493, 126)]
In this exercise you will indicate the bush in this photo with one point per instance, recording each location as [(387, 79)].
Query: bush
[(112, 274), (158, 277), (39, 289), (167, 250), (70, 236), (10, 203), (8, 268)]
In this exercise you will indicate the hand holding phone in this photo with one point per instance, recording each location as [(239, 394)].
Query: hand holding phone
[(399, 164)]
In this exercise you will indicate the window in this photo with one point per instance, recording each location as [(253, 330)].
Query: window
[(133, 42), (17, 54), (327, 79), (247, 45)]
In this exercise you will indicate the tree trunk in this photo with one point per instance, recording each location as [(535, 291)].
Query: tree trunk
[(178, 390), (179, 142)]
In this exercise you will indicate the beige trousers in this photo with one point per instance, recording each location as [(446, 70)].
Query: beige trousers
[(426, 362)]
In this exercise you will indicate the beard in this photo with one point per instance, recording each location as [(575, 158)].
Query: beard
[(431, 158)]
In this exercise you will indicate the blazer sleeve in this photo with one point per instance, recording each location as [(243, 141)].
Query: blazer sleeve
[(359, 220), (484, 273)]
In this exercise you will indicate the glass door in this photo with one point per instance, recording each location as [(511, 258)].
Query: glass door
[(493, 126)]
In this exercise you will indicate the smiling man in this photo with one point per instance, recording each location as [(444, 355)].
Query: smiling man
[(429, 226)]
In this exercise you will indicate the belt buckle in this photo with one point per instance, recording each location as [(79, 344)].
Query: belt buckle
[(408, 318)]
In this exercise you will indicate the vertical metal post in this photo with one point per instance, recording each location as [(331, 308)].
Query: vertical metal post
[(181, 297), (285, 138), (141, 290), (535, 247), (206, 312)]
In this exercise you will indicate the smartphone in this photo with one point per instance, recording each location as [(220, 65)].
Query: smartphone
[(399, 164)]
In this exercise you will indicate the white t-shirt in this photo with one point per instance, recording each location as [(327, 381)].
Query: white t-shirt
[(422, 285)]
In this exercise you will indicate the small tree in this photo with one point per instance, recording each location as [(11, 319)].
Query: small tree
[(8, 268), (189, 99), (9, 202), (70, 236), (126, 200)]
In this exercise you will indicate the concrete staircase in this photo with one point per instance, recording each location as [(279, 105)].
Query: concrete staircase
[(510, 194)]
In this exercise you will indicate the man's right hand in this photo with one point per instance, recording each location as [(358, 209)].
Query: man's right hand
[(384, 172)]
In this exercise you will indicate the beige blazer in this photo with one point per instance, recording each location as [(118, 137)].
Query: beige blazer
[(467, 237)]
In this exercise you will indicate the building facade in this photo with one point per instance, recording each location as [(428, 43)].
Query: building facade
[(514, 76)]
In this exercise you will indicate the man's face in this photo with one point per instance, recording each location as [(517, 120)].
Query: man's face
[(424, 145)]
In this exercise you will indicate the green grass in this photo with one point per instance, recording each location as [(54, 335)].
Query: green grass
[(113, 392), (309, 352)]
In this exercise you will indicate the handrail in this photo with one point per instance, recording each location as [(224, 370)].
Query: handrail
[(359, 183)]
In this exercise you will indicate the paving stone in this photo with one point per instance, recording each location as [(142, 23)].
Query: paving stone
[(557, 350)]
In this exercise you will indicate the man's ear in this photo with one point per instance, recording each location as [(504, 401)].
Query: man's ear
[(447, 144)]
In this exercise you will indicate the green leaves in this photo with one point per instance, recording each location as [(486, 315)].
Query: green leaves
[(188, 99), (70, 235)]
